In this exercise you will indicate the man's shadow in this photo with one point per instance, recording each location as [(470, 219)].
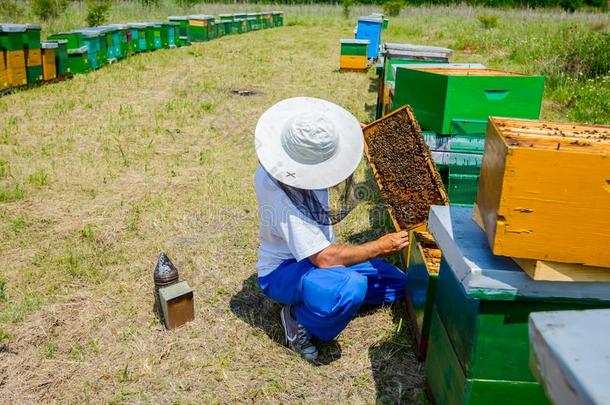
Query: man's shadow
[(254, 308)]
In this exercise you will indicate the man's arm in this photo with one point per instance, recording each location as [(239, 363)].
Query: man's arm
[(346, 255)]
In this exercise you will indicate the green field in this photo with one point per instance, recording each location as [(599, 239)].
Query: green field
[(155, 153)]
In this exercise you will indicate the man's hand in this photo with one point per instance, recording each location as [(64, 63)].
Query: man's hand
[(393, 242)]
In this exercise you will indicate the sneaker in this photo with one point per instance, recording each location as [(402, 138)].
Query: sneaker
[(297, 337)]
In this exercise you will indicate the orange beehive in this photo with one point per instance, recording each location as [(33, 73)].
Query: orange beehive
[(49, 67), (3, 77), (15, 68), (544, 191)]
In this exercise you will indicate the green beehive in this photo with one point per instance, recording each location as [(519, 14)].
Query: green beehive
[(355, 47), (253, 20), (219, 29), (31, 38), (62, 60), (11, 36), (113, 43), (278, 18), (78, 59), (157, 30), (141, 35), (165, 35), (479, 344), (95, 42), (183, 29), (173, 32), (124, 36), (226, 17), (267, 19), (241, 16), (439, 95), (201, 27), (75, 39)]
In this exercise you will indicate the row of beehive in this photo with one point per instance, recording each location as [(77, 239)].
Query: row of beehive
[(544, 197), (26, 60)]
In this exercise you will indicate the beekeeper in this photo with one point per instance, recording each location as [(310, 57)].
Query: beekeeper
[(306, 147)]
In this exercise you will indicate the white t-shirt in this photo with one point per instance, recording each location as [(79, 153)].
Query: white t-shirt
[(285, 232)]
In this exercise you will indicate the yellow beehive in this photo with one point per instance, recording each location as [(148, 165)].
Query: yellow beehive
[(33, 57), (353, 62), (15, 68), (3, 77), (544, 191), (49, 69)]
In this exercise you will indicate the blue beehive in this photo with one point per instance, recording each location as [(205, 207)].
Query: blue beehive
[(370, 28)]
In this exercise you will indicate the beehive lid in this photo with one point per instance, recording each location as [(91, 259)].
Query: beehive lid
[(201, 17), (371, 19), (469, 72), (572, 354), (59, 41), (486, 276), (49, 45), (13, 27), (118, 26), (89, 32), (136, 25), (278, 12), (225, 15), (80, 50), (518, 133), (407, 177), (355, 41), (33, 27), (393, 48), (178, 17), (438, 65)]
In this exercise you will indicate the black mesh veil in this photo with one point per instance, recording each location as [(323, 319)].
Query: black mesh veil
[(341, 201)]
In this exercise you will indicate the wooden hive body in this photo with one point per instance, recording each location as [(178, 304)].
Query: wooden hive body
[(544, 191)]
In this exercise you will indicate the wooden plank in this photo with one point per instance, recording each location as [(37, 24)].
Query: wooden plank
[(571, 355), (543, 270)]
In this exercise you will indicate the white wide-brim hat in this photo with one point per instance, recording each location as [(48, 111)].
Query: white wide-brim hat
[(308, 143)]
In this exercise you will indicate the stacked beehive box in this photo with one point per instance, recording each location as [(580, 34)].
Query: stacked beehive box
[(456, 102), (537, 242), (353, 54), (33, 53), (11, 42), (478, 349)]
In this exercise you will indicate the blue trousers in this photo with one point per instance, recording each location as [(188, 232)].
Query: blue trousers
[(326, 300)]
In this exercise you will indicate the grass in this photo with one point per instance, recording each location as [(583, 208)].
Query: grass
[(100, 173)]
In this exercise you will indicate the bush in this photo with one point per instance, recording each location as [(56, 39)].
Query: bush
[(48, 9), (392, 7), (570, 5), (97, 12), (582, 55), (347, 7), (488, 21), (150, 3)]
